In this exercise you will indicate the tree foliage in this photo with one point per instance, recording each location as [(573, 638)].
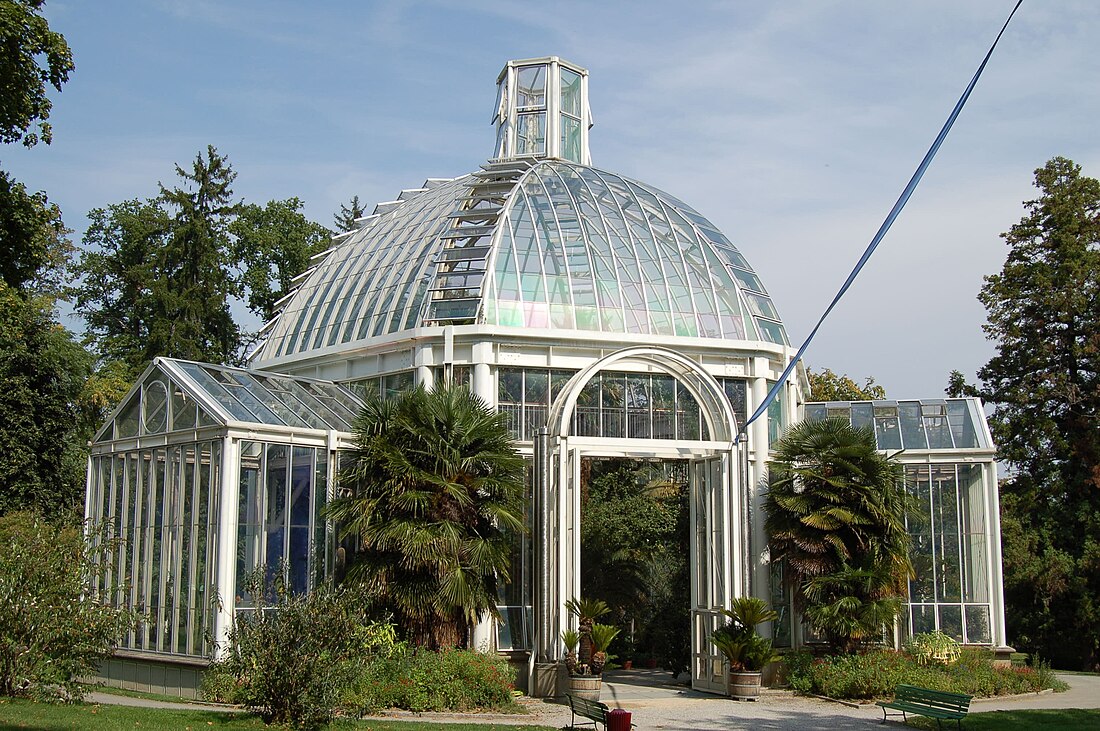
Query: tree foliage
[(191, 294), (273, 244), (159, 276), (44, 373), (345, 218), (31, 56), (437, 490), (1044, 384), (835, 515), (828, 386)]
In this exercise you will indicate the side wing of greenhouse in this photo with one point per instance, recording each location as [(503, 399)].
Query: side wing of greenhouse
[(207, 473)]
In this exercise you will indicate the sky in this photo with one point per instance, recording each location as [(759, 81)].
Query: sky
[(793, 126)]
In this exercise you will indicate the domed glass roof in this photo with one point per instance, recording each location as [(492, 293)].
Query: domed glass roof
[(535, 239), (528, 244)]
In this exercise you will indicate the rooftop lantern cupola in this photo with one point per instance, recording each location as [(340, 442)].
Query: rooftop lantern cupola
[(542, 110)]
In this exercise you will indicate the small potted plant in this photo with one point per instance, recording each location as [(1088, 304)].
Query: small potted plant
[(744, 649)]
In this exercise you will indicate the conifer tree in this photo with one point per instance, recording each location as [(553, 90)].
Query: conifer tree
[(345, 219), (196, 279), (1044, 384)]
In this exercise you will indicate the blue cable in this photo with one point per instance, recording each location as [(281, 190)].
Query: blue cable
[(902, 200)]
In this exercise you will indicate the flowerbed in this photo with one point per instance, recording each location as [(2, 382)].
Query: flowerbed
[(875, 674)]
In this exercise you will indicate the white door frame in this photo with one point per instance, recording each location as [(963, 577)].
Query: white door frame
[(557, 505)]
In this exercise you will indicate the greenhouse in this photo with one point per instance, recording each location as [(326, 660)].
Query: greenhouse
[(604, 317)]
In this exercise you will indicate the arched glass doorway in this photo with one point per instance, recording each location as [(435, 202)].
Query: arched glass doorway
[(716, 513)]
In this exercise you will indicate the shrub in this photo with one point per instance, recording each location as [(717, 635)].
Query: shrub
[(877, 673), (52, 629), (293, 658), (422, 680)]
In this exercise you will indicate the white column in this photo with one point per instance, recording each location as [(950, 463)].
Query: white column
[(482, 381), (757, 468), (484, 633), (226, 581), (422, 355), (993, 536)]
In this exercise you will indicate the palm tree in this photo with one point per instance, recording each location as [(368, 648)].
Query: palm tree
[(835, 505), (436, 489)]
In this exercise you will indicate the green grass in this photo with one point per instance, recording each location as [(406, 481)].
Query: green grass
[(22, 714), (1072, 719)]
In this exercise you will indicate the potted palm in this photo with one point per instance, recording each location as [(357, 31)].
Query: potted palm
[(586, 647), (742, 646)]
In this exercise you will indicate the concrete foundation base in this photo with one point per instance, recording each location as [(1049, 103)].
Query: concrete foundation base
[(550, 681)]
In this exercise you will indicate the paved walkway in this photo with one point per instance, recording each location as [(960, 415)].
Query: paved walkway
[(657, 703)]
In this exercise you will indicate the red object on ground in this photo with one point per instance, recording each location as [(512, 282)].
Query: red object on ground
[(618, 720)]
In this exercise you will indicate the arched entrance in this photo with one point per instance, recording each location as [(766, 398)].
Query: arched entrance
[(716, 535)]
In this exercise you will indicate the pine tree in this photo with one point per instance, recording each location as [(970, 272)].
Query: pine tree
[(196, 280), (345, 219)]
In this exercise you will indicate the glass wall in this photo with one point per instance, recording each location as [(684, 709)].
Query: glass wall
[(516, 627), (950, 591), (937, 424), (282, 491), (163, 504), (612, 404)]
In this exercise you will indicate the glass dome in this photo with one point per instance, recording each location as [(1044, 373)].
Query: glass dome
[(544, 244)]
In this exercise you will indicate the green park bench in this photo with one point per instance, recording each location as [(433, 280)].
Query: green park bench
[(936, 704)]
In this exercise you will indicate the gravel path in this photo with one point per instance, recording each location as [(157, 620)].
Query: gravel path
[(656, 704)]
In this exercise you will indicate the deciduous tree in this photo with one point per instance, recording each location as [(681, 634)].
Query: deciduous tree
[(828, 386), (273, 244), (31, 56)]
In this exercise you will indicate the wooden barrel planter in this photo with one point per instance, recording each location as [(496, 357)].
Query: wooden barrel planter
[(585, 686), (744, 686)]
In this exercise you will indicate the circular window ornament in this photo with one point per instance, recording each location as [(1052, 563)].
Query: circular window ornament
[(154, 407)]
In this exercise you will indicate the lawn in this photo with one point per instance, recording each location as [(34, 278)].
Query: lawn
[(1061, 719), (21, 714)]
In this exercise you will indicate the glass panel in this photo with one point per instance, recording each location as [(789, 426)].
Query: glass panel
[(962, 425), (951, 621), (923, 617), (912, 427), (301, 489), (531, 134), (777, 416), (186, 580), (320, 555), (183, 409), (570, 138), (249, 517), (887, 432), (863, 416), (737, 394), (126, 423), (972, 515), (276, 483), (570, 92), (531, 86), (772, 332), (977, 625)]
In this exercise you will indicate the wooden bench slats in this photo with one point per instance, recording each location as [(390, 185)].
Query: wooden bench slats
[(593, 710), (937, 704)]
